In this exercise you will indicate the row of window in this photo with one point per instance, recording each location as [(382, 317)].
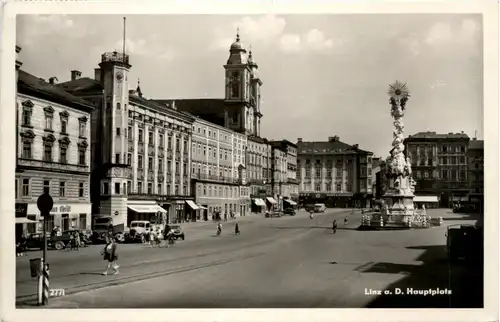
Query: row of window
[(329, 162), (444, 174), (61, 192), (329, 173), (140, 164), (329, 187), (151, 139), (49, 119), (211, 170), (199, 150), (211, 133), (161, 189), (48, 155), (209, 190), (141, 117)]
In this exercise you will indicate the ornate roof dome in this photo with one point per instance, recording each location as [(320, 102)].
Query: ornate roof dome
[(237, 46), (251, 61)]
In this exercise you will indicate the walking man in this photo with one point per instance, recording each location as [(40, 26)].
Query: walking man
[(334, 226), (345, 221), (236, 229)]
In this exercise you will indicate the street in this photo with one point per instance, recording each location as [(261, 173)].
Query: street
[(275, 262)]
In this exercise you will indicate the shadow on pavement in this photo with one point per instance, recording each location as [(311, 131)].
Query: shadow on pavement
[(465, 281)]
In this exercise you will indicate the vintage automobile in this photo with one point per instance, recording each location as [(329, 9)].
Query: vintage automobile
[(271, 214), (178, 232), (289, 211)]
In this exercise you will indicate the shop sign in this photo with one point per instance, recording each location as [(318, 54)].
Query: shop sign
[(61, 209)]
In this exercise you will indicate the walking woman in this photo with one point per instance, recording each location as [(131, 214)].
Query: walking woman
[(236, 229), (110, 254), (77, 240)]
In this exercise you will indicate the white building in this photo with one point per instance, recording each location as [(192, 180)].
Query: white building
[(53, 155)]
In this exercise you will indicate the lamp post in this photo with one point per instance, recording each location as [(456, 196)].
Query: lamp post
[(45, 204)]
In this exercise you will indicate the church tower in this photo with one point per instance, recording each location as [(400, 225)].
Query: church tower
[(113, 169), (255, 84), (240, 112)]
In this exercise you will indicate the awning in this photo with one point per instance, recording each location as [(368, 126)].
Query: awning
[(271, 200), (425, 199), (259, 202), (192, 205), (201, 207), (25, 221), (146, 208), (291, 202)]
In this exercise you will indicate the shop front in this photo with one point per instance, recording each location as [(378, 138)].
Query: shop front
[(195, 212), (289, 203), (271, 204), (258, 205), (66, 216), (145, 210)]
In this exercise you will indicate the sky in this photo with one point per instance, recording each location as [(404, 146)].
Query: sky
[(323, 75)]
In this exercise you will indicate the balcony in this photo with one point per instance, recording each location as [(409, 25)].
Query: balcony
[(115, 57), (52, 166), (257, 181), (157, 197), (291, 180), (215, 178)]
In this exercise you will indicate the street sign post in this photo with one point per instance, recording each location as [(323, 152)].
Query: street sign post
[(45, 204)]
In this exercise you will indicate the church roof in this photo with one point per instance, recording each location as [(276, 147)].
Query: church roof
[(209, 109), (31, 85)]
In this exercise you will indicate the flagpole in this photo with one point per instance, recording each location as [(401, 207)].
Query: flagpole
[(124, 38)]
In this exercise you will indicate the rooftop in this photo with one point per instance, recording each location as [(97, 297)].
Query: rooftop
[(31, 85), (332, 146), (476, 144), (208, 109), (437, 136)]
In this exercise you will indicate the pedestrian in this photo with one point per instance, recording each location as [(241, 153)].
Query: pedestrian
[(236, 229), (111, 255), (71, 241), (77, 241), (151, 238), (219, 229), (334, 226), (345, 221), (225, 216)]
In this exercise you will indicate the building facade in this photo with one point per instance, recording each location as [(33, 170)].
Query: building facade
[(53, 155), (439, 165), (284, 168), (334, 173), (475, 159), (141, 148), (217, 173)]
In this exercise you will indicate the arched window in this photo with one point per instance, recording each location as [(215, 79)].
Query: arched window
[(118, 106)]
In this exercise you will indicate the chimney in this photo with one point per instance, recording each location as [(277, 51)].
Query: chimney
[(355, 146), (75, 74), (52, 80), (97, 74), (334, 138), (299, 140), (18, 62), (173, 105)]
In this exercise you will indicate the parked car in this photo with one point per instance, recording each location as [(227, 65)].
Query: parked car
[(289, 211), (309, 207), (319, 207), (271, 214), (35, 241), (178, 232), (464, 208)]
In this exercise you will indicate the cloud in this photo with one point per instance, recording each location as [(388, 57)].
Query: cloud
[(269, 30), (146, 47), (262, 30), (437, 84), (34, 27)]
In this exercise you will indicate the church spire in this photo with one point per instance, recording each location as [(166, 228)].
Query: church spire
[(138, 90)]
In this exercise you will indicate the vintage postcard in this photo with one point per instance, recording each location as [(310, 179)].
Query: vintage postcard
[(237, 161)]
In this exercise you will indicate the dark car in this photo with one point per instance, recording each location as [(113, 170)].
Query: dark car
[(273, 214), (309, 207), (35, 241), (178, 233), (289, 211), (464, 208)]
